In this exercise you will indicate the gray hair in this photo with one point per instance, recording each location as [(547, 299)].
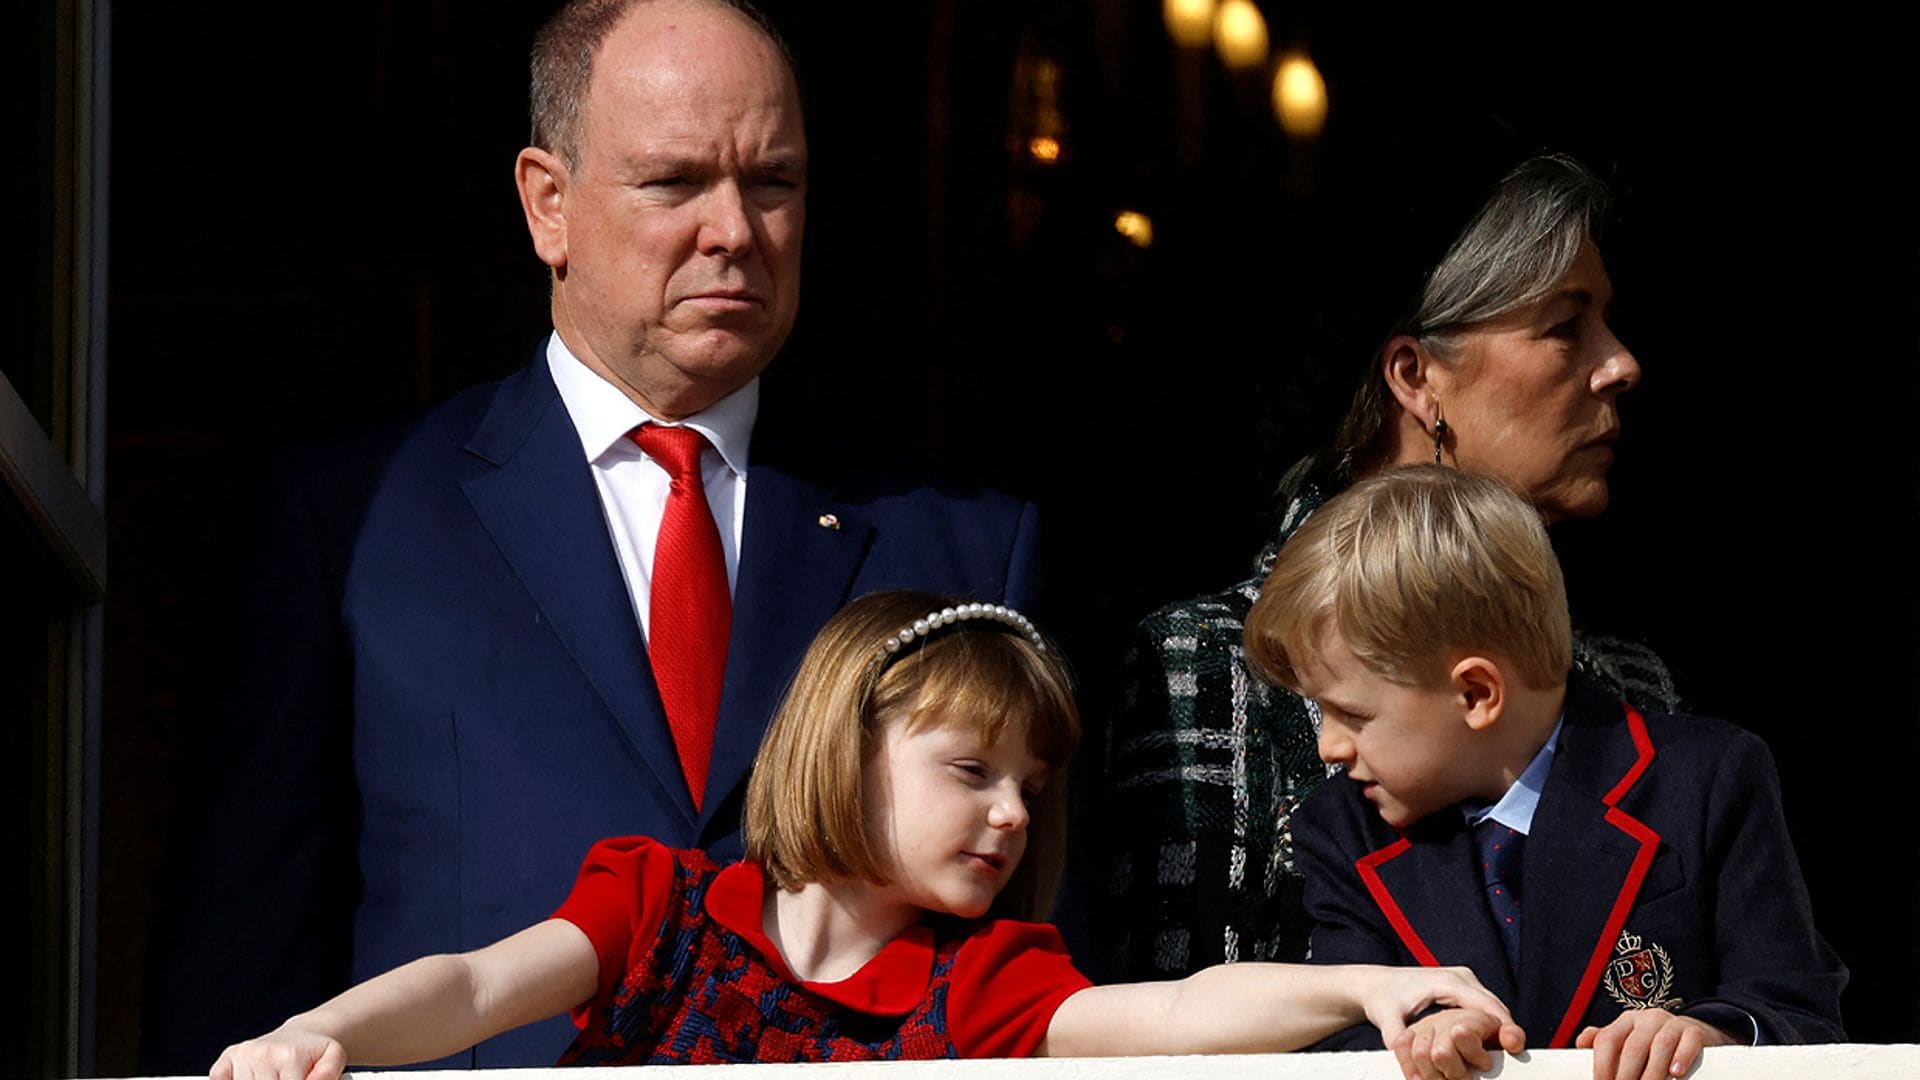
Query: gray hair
[(562, 65), (1522, 241), (1518, 245)]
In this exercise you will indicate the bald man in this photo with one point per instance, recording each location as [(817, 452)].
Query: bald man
[(524, 662)]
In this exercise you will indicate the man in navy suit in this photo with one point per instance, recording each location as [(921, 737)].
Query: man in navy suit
[(493, 609), (1621, 882)]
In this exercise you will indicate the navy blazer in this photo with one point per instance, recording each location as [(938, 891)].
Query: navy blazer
[(503, 714), (1658, 872)]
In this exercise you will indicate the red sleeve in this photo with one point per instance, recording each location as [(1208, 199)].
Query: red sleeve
[(1007, 981), (619, 901)]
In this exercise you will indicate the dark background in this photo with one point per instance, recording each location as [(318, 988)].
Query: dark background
[(314, 226)]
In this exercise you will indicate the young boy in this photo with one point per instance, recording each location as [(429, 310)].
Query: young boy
[(1622, 882)]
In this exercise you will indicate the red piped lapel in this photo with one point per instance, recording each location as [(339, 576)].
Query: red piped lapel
[(1586, 860), (1369, 868), (1649, 845), (1427, 884)]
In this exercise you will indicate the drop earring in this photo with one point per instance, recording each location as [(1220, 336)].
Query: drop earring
[(1440, 430)]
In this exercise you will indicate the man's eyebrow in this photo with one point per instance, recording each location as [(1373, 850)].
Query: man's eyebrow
[(681, 163), (675, 163)]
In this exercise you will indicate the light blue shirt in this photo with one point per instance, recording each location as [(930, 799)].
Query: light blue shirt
[(1515, 809)]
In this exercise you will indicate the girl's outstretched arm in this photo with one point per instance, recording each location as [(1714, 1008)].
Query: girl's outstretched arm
[(1247, 1008), (426, 1009)]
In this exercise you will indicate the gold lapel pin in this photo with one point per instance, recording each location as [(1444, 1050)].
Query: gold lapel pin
[(830, 521)]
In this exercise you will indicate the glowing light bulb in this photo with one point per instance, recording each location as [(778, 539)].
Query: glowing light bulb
[(1135, 226), (1240, 34), (1299, 96), (1044, 149), (1189, 22)]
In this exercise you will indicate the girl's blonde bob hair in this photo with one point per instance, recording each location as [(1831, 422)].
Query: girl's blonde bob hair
[(1413, 567), (805, 818)]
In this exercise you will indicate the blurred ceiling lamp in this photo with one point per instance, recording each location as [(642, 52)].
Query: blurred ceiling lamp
[(1240, 34), (1189, 22), (1299, 96), (1135, 226), (1042, 123)]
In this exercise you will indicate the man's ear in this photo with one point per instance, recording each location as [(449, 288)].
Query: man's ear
[(1480, 690), (543, 181), (1409, 369)]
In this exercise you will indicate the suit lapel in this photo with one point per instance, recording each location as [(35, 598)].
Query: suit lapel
[(540, 506), (1433, 896), (1584, 865), (1585, 862), (800, 549)]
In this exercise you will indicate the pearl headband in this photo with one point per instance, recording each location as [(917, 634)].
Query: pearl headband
[(926, 625)]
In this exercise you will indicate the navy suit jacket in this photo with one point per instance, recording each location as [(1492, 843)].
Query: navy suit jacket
[(503, 714), (1658, 872)]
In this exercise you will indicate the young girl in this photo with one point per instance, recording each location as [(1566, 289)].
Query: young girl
[(916, 758)]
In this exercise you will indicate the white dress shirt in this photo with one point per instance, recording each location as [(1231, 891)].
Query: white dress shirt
[(633, 487)]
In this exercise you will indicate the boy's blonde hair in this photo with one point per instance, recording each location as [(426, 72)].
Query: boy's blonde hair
[(805, 818), (1413, 567)]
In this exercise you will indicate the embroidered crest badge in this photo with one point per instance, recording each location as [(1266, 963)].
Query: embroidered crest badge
[(1640, 974)]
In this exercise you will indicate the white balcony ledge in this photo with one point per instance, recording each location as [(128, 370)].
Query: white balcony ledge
[(1853, 1061)]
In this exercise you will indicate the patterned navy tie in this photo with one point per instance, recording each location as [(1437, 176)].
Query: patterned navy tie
[(1500, 849)]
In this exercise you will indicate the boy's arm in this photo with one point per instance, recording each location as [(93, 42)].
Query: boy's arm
[(1773, 963), (1253, 1007), (426, 1009), (1347, 925)]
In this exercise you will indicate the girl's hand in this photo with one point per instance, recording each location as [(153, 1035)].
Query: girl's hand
[(1395, 994), (1648, 1043), (282, 1054)]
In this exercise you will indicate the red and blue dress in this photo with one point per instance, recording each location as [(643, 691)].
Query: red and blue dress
[(688, 975)]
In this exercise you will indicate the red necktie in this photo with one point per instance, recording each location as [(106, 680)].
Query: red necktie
[(690, 612)]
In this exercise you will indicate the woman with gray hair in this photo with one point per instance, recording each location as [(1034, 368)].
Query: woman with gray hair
[(1503, 365)]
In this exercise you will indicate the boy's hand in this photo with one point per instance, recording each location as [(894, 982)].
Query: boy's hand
[(1452, 1044), (283, 1054), (1400, 992), (1649, 1044)]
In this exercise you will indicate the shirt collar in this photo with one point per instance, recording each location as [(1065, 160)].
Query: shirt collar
[(602, 415), (893, 983), (1515, 808)]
